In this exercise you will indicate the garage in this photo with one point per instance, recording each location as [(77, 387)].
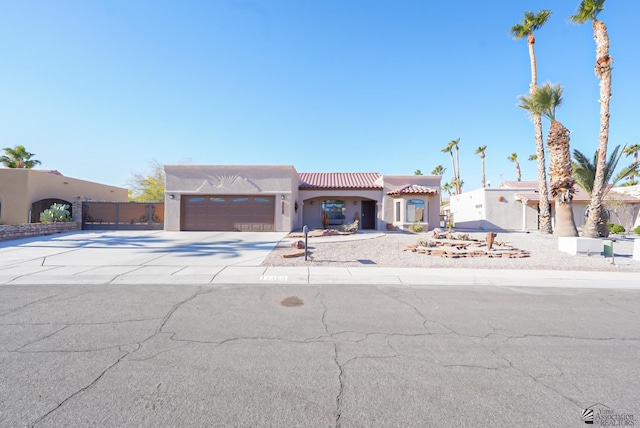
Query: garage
[(228, 212)]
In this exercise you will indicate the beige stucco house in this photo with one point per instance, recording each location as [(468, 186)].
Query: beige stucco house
[(278, 198), (25, 193), (514, 206)]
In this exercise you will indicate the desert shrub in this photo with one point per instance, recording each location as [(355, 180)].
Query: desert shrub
[(58, 213), (637, 230), (615, 228), (415, 227)]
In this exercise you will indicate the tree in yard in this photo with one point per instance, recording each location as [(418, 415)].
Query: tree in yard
[(456, 172), (584, 170), (632, 150), (513, 157), (588, 10), (480, 151), (18, 157), (148, 186), (544, 102), (532, 22), (438, 170), (446, 187)]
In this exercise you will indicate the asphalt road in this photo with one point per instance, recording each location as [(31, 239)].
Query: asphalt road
[(336, 355)]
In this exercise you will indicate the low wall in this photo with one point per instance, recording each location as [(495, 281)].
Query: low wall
[(26, 230)]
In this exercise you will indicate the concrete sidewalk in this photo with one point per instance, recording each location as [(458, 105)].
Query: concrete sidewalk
[(218, 258)]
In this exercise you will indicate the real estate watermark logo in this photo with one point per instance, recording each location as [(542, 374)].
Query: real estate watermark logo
[(599, 414)]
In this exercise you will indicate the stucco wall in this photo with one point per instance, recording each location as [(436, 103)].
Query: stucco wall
[(492, 209), (20, 188), (432, 203), (277, 180)]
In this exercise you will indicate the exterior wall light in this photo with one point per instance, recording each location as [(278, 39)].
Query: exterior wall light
[(172, 196), (282, 197), (355, 202)]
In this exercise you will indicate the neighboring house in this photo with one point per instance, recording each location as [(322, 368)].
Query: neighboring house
[(514, 206), (278, 198), (25, 193)]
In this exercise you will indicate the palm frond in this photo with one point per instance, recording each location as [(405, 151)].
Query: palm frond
[(587, 10)]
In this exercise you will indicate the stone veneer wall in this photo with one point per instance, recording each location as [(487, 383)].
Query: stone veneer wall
[(26, 230)]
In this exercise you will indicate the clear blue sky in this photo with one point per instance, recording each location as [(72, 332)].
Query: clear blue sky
[(99, 89)]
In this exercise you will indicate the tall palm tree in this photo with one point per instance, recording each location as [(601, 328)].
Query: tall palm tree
[(458, 182), (438, 170), (632, 150), (532, 22), (417, 172), (595, 225), (544, 102), (532, 157), (18, 157), (513, 157), (480, 151), (449, 149), (584, 170)]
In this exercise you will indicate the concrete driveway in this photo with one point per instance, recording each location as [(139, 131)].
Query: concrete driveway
[(102, 256)]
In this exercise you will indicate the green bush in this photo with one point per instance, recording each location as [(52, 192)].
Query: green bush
[(415, 227), (637, 230), (58, 213), (615, 228)]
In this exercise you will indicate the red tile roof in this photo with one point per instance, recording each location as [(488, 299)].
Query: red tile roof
[(413, 189), (339, 180)]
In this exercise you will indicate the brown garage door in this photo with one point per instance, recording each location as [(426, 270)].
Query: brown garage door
[(225, 212)]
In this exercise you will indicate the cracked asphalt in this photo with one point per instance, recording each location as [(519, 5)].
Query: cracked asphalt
[(350, 355)]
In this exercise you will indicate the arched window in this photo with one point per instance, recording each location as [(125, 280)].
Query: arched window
[(415, 210), (335, 209)]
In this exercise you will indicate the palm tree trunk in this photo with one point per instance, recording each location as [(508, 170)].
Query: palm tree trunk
[(531, 41), (596, 224), (518, 172), (483, 175), (453, 167), (544, 223), (458, 187), (562, 180)]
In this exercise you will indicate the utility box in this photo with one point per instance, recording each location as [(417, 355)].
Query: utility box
[(608, 248)]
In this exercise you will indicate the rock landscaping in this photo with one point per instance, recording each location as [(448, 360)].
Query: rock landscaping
[(452, 246)]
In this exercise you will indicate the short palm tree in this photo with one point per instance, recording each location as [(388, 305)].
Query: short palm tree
[(588, 10), (584, 170), (544, 102), (417, 172), (449, 149), (513, 157), (532, 22), (632, 150), (18, 157), (480, 151)]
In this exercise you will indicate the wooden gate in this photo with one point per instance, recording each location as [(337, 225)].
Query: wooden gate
[(122, 216)]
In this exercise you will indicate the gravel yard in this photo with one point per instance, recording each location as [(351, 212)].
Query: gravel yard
[(386, 249)]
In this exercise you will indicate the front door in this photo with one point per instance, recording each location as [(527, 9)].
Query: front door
[(368, 215)]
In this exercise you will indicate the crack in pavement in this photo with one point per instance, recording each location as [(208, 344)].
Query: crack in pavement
[(76, 393), (44, 299), (135, 346)]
